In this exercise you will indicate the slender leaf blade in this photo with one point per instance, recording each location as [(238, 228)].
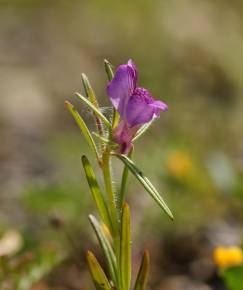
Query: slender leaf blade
[(145, 183), (108, 69), (142, 130), (96, 192), (125, 248), (142, 276), (95, 110), (89, 91), (110, 75), (106, 248), (91, 96), (100, 280), (83, 127)]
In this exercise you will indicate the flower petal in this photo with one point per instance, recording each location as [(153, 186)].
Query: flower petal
[(158, 105), (142, 108), (121, 87), (139, 110)]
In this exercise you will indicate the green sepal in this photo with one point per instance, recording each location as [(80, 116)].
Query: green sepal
[(96, 192), (145, 183), (142, 276), (98, 275), (125, 248), (106, 248), (80, 122), (95, 110)]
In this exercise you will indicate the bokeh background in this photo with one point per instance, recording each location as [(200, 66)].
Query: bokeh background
[(189, 54)]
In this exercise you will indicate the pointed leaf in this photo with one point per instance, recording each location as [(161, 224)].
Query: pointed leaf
[(143, 273), (110, 75), (142, 130), (91, 96), (79, 120), (89, 91), (106, 248), (108, 69), (100, 280), (96, 111), (96, 192), (125, 248), (145, 183)]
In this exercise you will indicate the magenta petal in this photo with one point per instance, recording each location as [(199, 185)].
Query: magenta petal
[(138, 109), (121, 87), (142, 108), (158, 105)]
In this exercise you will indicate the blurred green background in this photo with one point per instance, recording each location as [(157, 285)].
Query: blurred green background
[(189, 54)]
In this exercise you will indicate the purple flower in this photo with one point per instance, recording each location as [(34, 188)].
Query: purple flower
[(135, 104)]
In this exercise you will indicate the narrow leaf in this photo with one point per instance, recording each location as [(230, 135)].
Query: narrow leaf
[(142, 130), (108, 69), (100, 280), (106, 248), (91, 96), (125, 248), (110, 75), (143, 273), (96, 192), (145, 183), (89, 91), (94, 109), (79, 120)]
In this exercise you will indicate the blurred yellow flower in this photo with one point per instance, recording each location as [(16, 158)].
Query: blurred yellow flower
[(179, 164), (227, 257)]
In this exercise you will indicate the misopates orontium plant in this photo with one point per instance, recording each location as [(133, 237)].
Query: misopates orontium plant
[(134, 110)]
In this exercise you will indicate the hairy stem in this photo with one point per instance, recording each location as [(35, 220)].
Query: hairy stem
[(112, 206)]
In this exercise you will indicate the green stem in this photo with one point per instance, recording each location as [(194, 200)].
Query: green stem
[(112, 207), (124, 183)]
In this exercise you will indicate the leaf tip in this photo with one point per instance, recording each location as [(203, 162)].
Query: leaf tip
[(68, 104), (126, 206), (84, 158), (89, 254), (170, 214)]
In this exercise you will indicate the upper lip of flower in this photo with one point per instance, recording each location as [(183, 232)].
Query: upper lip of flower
[(135, 105)]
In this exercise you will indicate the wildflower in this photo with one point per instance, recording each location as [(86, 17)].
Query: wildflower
[(227, 257), (179, 164), (135, 104)]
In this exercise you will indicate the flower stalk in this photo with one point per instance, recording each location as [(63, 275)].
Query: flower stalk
[(133, 112)]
